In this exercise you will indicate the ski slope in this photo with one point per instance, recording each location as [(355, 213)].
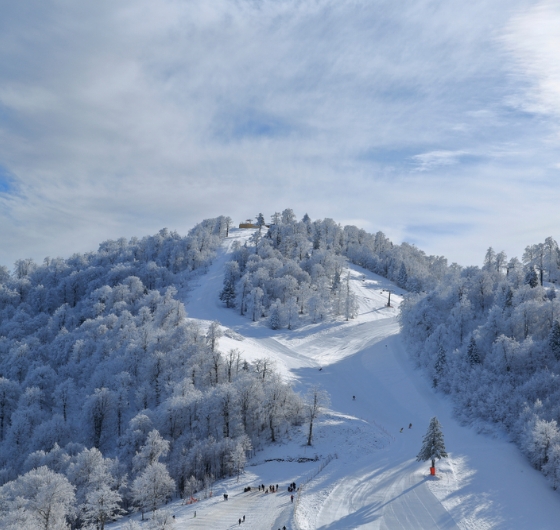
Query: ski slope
[(370, 478)]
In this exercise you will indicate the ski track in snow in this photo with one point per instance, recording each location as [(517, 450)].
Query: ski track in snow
[(373, 481)]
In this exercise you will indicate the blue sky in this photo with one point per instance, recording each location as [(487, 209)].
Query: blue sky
[(435, 122)]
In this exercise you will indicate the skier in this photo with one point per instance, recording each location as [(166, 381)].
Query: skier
[(410, 425), (243, 518), (354, 398), (292, 498), (402, 428), (240, 521)]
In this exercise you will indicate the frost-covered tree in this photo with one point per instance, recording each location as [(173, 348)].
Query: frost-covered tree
[(40, 499), (103, 504), (433, 445), (315, 403), (98, 410), (9, 395), (162, 520), (260, 221), (152, 487), (152, 451), (275, 319), (439, 366), (402, 278), (531, 278), (554, 340), (473, 355), (540, 440)]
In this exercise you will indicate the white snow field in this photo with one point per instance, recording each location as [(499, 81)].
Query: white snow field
[(365, 474)]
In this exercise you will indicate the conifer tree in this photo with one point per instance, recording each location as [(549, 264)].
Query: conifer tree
[(472, 353), (531, 278), (432, 446), (439, 365), (402, 278), (260, 221), (554, 340), (274, 318)]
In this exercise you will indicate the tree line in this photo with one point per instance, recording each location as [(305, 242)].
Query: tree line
[(111, 399), (490, 337)]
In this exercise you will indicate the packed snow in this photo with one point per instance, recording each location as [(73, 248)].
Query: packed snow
[(361, 471)]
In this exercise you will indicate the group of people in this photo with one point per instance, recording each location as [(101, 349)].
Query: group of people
[(409, 426), (272, 488), (241, 520)]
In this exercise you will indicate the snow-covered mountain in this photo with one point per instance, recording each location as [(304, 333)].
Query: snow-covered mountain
[(361, 469)]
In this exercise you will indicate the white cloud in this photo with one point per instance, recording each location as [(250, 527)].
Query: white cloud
[(434, 159), (533, 38), (121, 118)]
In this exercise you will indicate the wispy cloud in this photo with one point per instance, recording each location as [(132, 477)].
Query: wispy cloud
[(434, 159), (533, 38), (120, 118)]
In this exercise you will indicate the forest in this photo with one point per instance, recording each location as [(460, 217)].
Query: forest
[(293, 272), (113, 400), (490, 337), (107, 387)]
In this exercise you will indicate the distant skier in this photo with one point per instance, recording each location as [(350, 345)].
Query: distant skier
[(410, 425), (402, 428), (240, 521), (354, 398)]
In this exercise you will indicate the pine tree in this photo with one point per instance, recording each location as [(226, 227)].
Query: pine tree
[(274, 318), (531, 278), (554, 340), (473, 355), (260, 221), (228, 294), (439, 365), (432, 446), (402, 278)]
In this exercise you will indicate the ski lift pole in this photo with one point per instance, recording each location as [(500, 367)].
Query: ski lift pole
[(389, 296)]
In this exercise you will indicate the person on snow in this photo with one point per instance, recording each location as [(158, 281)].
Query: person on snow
[(402, 428), (410, 425)]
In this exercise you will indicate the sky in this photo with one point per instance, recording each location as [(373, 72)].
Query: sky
[(434, 122)]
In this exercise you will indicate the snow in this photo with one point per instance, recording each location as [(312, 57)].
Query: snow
[(361, 471)]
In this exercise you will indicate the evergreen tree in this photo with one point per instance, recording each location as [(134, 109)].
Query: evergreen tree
[(275, 318), (228, 294), (531, 277), (260, 221), (432, 446), (439, 365), (402, 278), (554, 340), (473, 354)]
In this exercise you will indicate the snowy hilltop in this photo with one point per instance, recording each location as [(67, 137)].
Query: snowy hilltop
[(257, 378)]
